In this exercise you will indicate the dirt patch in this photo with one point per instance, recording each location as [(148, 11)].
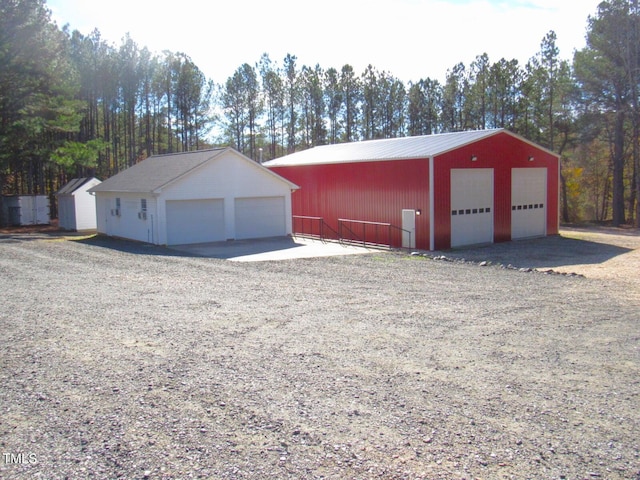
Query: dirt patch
[(30, 229), (604, 253), (620, 257), (124, 360)]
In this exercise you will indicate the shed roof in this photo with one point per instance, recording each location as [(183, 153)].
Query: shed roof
[(73, 185), (403, 148), (155, 172)]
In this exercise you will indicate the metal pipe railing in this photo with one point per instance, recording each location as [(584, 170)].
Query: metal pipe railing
[(303, 226), (377, 240)]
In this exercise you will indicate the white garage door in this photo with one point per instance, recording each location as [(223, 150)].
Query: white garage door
[(260, 217), (471, 206), (195, 221), (528, 202)]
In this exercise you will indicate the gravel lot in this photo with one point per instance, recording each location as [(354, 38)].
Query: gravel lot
[(122, 360)]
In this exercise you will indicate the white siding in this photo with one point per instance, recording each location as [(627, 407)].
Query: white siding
[(127, 224)]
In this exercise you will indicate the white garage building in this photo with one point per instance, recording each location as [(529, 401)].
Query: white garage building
[(195, 197)]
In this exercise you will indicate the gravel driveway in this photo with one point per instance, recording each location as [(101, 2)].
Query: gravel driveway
[(122, 360)]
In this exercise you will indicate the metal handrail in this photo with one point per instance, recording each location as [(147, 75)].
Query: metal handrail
[(323, 227), (342, 224), (345, 234)]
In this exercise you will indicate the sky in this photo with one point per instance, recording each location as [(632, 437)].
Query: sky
[(410, 39)]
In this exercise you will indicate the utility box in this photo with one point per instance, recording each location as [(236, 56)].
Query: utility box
[(26, 210)]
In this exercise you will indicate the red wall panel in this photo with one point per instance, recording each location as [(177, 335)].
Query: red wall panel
[(502, 152), (367, 191)]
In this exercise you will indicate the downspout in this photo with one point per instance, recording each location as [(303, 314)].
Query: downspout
[(154, 234), (432, 208)]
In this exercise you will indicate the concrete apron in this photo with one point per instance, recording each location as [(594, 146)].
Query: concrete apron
[(270, 249)]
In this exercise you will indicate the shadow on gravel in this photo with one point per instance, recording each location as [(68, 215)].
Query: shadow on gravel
[(219, 250), (24, 234), (128, 246), (547, 252)]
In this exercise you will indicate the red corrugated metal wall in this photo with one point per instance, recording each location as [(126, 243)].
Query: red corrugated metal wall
[(502, 152), (367, 191)]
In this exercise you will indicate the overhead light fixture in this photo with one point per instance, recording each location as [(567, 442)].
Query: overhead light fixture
[(474, 158), (531, 158)]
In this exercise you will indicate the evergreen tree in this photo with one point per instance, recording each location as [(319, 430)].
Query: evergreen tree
[(351, 92), (273, 94), (603, 76), (335, 101), (37, 90)]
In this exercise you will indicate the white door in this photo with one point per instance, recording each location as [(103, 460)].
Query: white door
[(260, 217), (528, 202), (41, 210), (471, 206), (408, 229), (66, 212), (195, 221)]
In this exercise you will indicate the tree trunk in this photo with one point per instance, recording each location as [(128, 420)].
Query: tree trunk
[(618, 217), (3, 221)]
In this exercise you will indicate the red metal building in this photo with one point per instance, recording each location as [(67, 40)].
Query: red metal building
[(430, 192)]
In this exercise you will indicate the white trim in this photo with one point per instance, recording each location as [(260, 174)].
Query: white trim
[(432, 208)]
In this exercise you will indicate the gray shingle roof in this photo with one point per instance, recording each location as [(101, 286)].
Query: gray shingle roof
[(402, 148), (156, 171), (72, 185)]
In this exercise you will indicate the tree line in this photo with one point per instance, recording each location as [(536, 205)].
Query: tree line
[(76, 105)]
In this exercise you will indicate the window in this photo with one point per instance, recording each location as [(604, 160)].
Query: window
[(142, 214), (115, 212)]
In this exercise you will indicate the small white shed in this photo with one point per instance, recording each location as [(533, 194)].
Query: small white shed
[(22, 210), (76, 206), (195, 197)]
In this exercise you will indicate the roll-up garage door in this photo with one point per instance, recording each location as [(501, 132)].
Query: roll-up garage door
[(260, 217), (528, 202), (471, 206), (195, 221)]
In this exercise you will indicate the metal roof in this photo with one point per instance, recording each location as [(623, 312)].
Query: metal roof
[(403, 148)]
